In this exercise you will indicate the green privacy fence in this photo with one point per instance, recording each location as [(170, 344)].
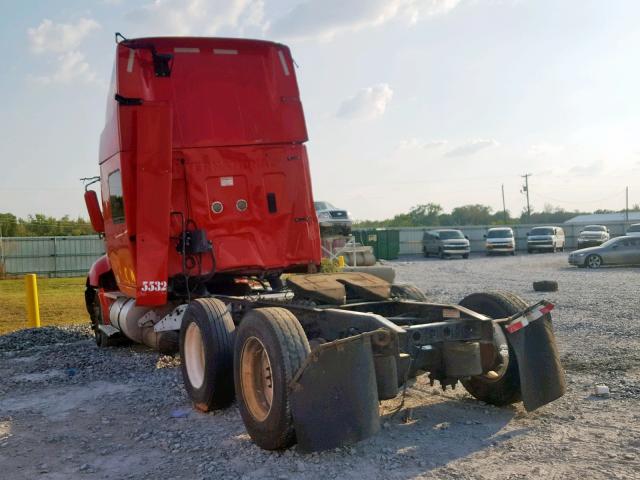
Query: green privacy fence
[(50, 256)]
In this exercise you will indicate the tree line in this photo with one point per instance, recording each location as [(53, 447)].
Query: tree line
[(424, 215), (433, 215), (40, 225)]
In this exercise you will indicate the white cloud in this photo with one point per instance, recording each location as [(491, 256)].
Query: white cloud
[(470, 148), (414, 143), (368, 103), (592, 169), (543, 150), (434, 144), (326, 18), (59, 37), (70, 67), (197, 17)]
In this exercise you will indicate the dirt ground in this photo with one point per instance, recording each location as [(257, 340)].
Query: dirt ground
[(69, 410)]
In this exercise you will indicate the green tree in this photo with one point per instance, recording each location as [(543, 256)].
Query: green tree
[(472, 215), (8, 224)]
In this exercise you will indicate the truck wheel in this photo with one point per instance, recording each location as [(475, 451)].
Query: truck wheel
[(465, 256), (407, 291), (441, 254), (270, 347), (206, 350), (502, 385), (94, 309)]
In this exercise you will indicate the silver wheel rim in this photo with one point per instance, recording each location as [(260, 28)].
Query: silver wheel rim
[(594, 261), (194, 355)]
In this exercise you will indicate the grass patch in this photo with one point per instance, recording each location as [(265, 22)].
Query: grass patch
[(61, 302)]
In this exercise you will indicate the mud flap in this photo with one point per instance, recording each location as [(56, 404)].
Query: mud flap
[(334, 398), (541, 375)]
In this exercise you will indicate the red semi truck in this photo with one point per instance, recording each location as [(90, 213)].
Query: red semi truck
[(206, 201)]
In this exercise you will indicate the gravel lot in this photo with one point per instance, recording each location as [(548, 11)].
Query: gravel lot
[(69, 410)]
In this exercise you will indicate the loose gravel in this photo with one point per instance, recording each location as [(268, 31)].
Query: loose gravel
[(70, 410)]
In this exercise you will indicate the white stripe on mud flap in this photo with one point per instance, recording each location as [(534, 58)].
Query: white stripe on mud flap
[(224, 51), (132, 54), (283, 61), (186, 50)]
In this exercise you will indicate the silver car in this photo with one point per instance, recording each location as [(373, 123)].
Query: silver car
[(617, 251)]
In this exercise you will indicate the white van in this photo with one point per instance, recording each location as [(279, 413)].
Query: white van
[(545, 238), (500, 240)]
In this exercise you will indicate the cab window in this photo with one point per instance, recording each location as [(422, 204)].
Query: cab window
[(115, 197)]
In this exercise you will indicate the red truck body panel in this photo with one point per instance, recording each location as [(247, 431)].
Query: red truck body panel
[(217, 145)]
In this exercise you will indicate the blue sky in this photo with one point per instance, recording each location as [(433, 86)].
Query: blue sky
[(407, 101)]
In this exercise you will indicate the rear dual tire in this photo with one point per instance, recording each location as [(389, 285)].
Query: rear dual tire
[(257, 361), (503, 388), (270, 348), (206, 349)]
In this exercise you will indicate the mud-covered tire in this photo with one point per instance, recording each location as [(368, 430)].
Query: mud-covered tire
[(276, 333), (408, 291), (545, 286), (505, 389), (206, 350), (92, 302)]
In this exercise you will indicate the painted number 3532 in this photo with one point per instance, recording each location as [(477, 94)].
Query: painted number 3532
[(154, 286)]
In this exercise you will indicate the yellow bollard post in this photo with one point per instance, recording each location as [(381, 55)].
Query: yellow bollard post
[(33, 309), (341, 263)]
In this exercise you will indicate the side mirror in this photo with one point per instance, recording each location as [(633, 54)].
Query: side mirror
[(485, 235), (528, 233), (467, 237), (93, 207)]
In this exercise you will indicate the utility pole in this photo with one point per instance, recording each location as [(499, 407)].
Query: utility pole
[(626, 210), (504, 206), (525, 189)]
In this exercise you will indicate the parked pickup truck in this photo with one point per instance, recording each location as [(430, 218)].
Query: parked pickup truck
[(445, 243), (592, 236), (545, 238)]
